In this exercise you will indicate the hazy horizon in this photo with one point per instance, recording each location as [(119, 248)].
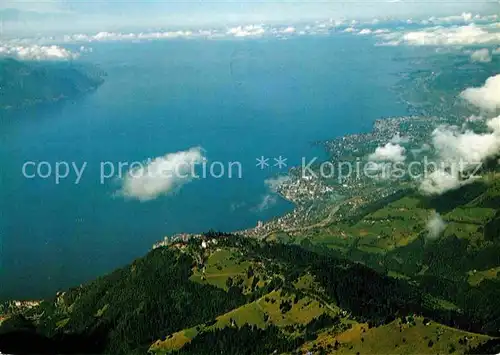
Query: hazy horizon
[(57, 15)]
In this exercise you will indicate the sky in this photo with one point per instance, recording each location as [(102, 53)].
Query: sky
[(105, 15)]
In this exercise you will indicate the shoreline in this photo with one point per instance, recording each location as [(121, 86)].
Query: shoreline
[(306, 192)]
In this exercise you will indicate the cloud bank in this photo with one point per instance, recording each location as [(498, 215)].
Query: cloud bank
[(161, 175), (454, 145), (37, 52), (464, 29), (458, 152), (440, 181), (445, 36)]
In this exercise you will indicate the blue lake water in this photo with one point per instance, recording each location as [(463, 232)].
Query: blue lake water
[(239, 100)]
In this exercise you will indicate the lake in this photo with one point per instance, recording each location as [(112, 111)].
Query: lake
[(237, 99)]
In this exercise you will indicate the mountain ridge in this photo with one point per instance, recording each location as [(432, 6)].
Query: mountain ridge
[(29, 83), (215, 285)]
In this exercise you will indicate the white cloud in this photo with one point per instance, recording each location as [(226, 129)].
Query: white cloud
[(435, 226), (389, 152), (36, 52), (247, 31), (464, 17), (349, 30), (161, 175), (454, 146), (444, 36), (440, 181), (494, 125), (481, 56), (289, 29), (119, 36), (458, 152), (365, 31), (486, 97)]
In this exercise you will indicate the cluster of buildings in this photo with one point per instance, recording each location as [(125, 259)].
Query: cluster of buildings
[(176, 238), (315, 196)]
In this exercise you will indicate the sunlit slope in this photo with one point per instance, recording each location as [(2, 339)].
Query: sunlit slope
[(403, 336), (279, 290)]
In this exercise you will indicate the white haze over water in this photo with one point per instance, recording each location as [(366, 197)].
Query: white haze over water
[(273, 184)]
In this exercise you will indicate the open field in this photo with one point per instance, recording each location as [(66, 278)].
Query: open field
[(410, 338)]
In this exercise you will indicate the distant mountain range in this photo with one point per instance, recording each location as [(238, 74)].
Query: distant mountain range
[(25, 84)]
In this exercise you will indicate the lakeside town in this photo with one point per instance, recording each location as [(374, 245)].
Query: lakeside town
[(320, 199)]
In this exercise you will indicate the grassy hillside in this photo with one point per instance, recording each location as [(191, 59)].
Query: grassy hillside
[(402, 336), (227, 291), (458, 267)]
